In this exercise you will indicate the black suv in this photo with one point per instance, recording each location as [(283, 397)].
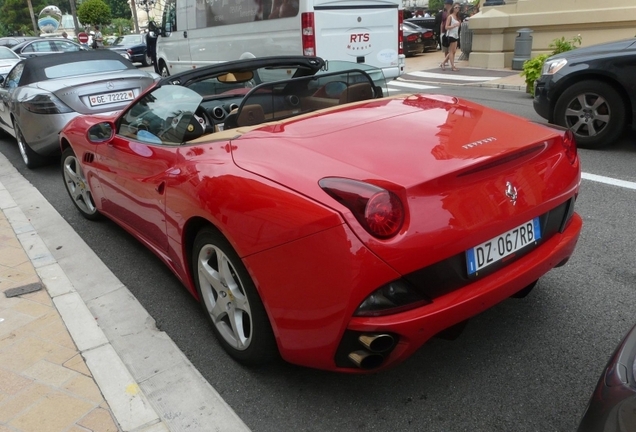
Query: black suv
[(591, 91)]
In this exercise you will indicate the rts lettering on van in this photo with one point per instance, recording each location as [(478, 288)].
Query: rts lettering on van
[(359, 42), (478, 143)]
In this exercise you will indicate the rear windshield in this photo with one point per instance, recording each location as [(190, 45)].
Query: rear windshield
[(129, 39), (86, 67)]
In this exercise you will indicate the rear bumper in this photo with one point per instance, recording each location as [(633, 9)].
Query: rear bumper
[(311, 305), (415, 327)]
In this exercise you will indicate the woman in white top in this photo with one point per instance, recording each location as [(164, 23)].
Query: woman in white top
[(452, 32)]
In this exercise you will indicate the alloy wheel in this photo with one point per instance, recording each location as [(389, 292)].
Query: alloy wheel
[(224, 297)]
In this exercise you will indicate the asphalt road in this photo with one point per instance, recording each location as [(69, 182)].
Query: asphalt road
[(525, 365)]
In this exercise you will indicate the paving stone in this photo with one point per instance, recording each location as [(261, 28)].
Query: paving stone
[(84, 387), (24, 353), (78, 364), (49, 373), (12, 383), (12, 407), (32, 308), (99, 420), (55, 412)]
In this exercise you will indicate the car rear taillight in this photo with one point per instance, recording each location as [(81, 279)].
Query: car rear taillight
[(45, 104), (428, 34), (129, 51), (379, 211), (308, 34), (400, 29), (411, 38), (569, 144)]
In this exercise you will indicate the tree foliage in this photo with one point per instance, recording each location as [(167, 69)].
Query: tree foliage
[(94, 12), (119, 8), (121, 26)]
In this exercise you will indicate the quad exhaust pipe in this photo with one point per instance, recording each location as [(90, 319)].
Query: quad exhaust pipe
[(376, 345)]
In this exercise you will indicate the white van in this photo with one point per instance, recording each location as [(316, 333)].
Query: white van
[(196, 33)]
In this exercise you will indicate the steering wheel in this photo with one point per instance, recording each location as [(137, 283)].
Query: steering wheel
[(208, 123)]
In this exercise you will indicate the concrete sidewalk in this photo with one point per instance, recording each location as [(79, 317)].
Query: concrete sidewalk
[(77, 350), (505, 79)]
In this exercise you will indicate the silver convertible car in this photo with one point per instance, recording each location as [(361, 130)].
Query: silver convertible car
[(41, 94)]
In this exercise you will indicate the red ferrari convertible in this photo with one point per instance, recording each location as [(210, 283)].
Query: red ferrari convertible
[(316, 219)]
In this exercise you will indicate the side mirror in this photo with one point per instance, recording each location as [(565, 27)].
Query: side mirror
[(101, 132)]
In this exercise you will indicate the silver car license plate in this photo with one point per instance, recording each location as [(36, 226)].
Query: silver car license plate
[(108, 98)]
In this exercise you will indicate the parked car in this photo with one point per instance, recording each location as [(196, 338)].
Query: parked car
[(591, 91), (109, 40), (45, 46), (314, 219), (41, 94), (612, 407), (11, 41), (417, 39), (134, 45), (8, 59)]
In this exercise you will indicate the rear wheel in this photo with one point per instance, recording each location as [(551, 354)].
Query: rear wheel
[(147, 61), (77, 186), (31, 159), (594, 111), (230, 300)]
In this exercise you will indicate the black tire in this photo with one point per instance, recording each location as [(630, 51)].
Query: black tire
[(31, 159), (594, 111), (230, 300), (146, 61), (164, 70), (77, 186)]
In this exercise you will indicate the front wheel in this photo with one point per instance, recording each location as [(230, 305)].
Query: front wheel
[(230, 300), (593, 111), (77, 186), (163, 68)]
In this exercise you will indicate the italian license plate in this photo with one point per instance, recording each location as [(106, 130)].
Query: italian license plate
[(496, 249), (108, 98)]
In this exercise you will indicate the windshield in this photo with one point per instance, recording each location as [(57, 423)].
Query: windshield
[(334, 66), (241, 82), (7, 54)]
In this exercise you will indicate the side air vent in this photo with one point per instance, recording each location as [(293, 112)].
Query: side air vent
[(233, 107), (218, 113), (88, 158), (292, 100)]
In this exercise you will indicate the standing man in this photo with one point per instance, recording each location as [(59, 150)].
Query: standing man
[(98, 39), (448, 4), (151, 44)]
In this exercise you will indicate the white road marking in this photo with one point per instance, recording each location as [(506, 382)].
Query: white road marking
[(452, 76), (609, 181), (411, 85)]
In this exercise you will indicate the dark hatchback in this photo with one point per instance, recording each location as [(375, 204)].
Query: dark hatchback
[(591, 91), (135, 46), (45, 46), (612, 407)]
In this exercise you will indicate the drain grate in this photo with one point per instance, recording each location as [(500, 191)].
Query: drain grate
[(24, 289)]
